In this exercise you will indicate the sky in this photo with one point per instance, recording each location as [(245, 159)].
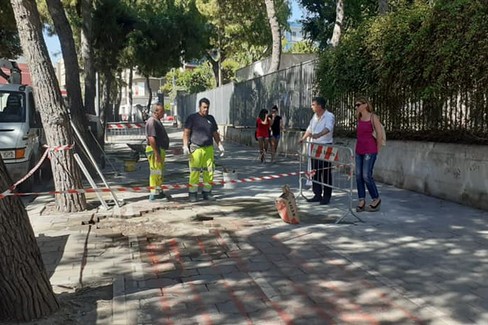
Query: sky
[(54, 47), (296, 11)]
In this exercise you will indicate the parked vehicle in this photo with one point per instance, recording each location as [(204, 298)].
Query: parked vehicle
[(21, 133)]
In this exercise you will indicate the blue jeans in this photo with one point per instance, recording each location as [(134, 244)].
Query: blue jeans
[(364, 175)]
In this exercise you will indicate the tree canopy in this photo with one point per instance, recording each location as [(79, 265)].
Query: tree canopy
[(239, 29), (10, 48), (113, 21), (190, 80), (423, 63), (321, 15), (304, 47), (165, 35)]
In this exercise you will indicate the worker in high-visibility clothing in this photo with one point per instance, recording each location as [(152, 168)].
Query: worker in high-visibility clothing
[(157, 144), (199, 133)]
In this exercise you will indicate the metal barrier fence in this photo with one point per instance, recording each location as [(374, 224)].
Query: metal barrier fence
[(337, 164), (125, 132), (239, 104), (220, 101), (290, 89), (453, 114)]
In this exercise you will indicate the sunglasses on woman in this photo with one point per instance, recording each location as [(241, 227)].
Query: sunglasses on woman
[(358, 104)]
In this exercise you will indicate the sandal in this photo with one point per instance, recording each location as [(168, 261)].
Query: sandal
[(376, 207), (361, 207)]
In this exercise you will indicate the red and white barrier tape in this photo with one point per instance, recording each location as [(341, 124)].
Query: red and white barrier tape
[(60, 148), (30, 173), (148, 188), (116, 126), (39, 163)]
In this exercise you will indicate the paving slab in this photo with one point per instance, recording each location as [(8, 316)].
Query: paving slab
[(420, 260)]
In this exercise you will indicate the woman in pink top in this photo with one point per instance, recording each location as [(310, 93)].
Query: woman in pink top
[(367, 149)]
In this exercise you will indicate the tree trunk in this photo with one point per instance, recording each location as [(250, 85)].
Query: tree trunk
[(107, 86), (54, 115), (215, 69), (73, 86), (89, 74), (383, 7), (87, 55), (149, 90), (65, 34), (276, 33), (118, 97), (216, 63), (129, 91), (25, 291), (336, 35)]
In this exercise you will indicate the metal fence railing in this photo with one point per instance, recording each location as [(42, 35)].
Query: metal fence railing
[(238, 104), (220, 103), (290, 89), (406, 114)]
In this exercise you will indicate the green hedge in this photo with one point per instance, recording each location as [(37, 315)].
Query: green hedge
[(424, 67)]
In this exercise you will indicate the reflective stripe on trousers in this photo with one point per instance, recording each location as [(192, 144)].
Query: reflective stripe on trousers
[(202, 162), (156, 170)]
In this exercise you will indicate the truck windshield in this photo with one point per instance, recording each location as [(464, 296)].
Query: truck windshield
[(12, 106)]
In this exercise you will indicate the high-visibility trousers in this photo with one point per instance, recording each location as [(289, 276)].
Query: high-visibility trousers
[(156, 174), (202, 162)]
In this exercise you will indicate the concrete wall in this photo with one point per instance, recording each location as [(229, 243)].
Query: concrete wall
[(260, 68), (455, 172)]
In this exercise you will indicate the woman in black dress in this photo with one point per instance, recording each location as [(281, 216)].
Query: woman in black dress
[(276, 129)]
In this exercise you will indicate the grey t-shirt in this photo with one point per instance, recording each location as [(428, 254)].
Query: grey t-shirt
[(154, 128), (202, 129)]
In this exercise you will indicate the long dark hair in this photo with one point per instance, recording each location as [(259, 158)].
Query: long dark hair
[(262, 114)]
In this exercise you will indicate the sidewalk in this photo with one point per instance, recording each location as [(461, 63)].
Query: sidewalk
[(420, 260)]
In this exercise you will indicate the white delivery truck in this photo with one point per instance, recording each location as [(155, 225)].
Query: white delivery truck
[(21, 133)]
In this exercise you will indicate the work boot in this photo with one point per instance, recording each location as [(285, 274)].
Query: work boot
[(208, 196), (193, 197), (164, 197)]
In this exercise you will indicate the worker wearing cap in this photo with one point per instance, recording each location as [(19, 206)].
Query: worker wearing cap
[(199, 133), (157, 144)]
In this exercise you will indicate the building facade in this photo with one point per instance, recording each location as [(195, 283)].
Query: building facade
[(294, 35)]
